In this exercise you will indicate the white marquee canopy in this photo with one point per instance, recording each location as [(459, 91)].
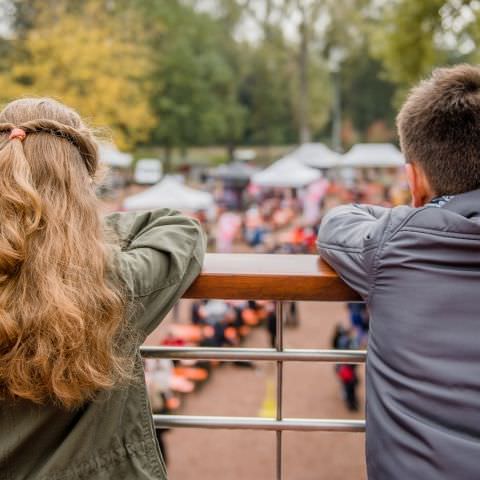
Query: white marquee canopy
[(373, 155), (111, 156), (287, 173), (316, 155), (170, 193)]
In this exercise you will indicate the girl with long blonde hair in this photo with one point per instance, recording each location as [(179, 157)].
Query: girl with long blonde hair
[(78, 295)]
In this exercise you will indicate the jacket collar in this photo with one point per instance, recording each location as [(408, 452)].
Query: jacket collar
[(466, 204)]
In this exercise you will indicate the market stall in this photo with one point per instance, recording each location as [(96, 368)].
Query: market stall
[(170, 193), (234, 178), (286, 173), (373, 155), (316, 155)]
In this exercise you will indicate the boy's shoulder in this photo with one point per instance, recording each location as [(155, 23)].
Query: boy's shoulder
[(446, 219)]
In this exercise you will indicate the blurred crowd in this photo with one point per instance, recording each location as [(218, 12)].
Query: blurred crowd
[(212, 323), (280, 220), (276, 220)]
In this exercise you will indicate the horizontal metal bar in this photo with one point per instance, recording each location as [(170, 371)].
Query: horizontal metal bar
[(254, 423), (248, 354)]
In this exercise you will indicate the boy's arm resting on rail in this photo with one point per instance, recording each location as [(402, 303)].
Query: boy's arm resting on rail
[(161, 254), (348, 241)]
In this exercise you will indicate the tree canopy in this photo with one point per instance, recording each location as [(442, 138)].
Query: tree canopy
[(99, 70), (179, 73), (410, 38)]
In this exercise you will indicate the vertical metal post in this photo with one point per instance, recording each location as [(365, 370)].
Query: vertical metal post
[(279, 416)]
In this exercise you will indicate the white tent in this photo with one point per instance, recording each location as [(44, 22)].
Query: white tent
[(170, 193), (373, 155), (111, 156), (286, 172), (316, 155)]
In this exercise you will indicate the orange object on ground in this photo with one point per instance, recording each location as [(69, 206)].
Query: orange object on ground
[(250, 317), (208, 331), (191, 373), (244, 330), (173, 403), (231, 334), (262, 313), (188, 333)]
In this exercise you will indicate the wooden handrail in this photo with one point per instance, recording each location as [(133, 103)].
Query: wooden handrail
[(269, 277)]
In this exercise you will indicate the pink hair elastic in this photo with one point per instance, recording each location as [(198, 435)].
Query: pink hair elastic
[(17, 133)]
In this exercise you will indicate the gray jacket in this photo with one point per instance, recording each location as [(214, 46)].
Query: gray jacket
[(418, 269)]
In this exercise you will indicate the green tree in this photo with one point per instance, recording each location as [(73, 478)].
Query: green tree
[(412, 37), (194, 78), (367, 96), (270, 119)]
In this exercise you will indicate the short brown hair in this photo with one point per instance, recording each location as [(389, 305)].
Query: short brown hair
[(439, 128)]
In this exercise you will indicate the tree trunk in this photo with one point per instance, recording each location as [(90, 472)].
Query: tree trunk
[(183, 152), (336, 113), (231, 151), (304, 127), (168, 159)]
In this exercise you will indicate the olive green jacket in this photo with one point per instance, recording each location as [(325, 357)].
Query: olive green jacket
[(112, 437)]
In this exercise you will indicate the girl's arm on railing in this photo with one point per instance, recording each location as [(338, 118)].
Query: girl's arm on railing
[(161, 254)]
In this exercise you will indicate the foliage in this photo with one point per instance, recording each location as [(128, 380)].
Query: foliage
[(412, 37), (97, 70), (194, 79), (319, 95), (175, 73), (263, 91), (367, 97)]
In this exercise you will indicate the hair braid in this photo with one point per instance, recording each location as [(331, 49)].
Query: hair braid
[(6, 127), (80, 138)]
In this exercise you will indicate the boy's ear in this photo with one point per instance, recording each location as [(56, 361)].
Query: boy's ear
[(419, 185)]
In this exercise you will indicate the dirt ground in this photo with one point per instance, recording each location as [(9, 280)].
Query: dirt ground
[(310, 391)]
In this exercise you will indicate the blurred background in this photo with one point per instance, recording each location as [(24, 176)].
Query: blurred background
[(169, 76), (256, 117)]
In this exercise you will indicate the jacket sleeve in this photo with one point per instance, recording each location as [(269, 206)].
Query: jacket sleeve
[(348, 241), (161, 253)]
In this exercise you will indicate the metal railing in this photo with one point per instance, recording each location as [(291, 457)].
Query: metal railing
[(267, 277)]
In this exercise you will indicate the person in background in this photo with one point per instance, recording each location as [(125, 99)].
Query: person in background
[(271, 323), (158, 379), (418, 270), (359, 320), (78, 296), (228, 228), (343, 339)]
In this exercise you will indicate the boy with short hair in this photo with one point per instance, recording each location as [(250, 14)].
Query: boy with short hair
[(418, 269)]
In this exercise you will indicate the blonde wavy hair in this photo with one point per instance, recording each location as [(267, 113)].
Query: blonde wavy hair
[(60, 316)]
